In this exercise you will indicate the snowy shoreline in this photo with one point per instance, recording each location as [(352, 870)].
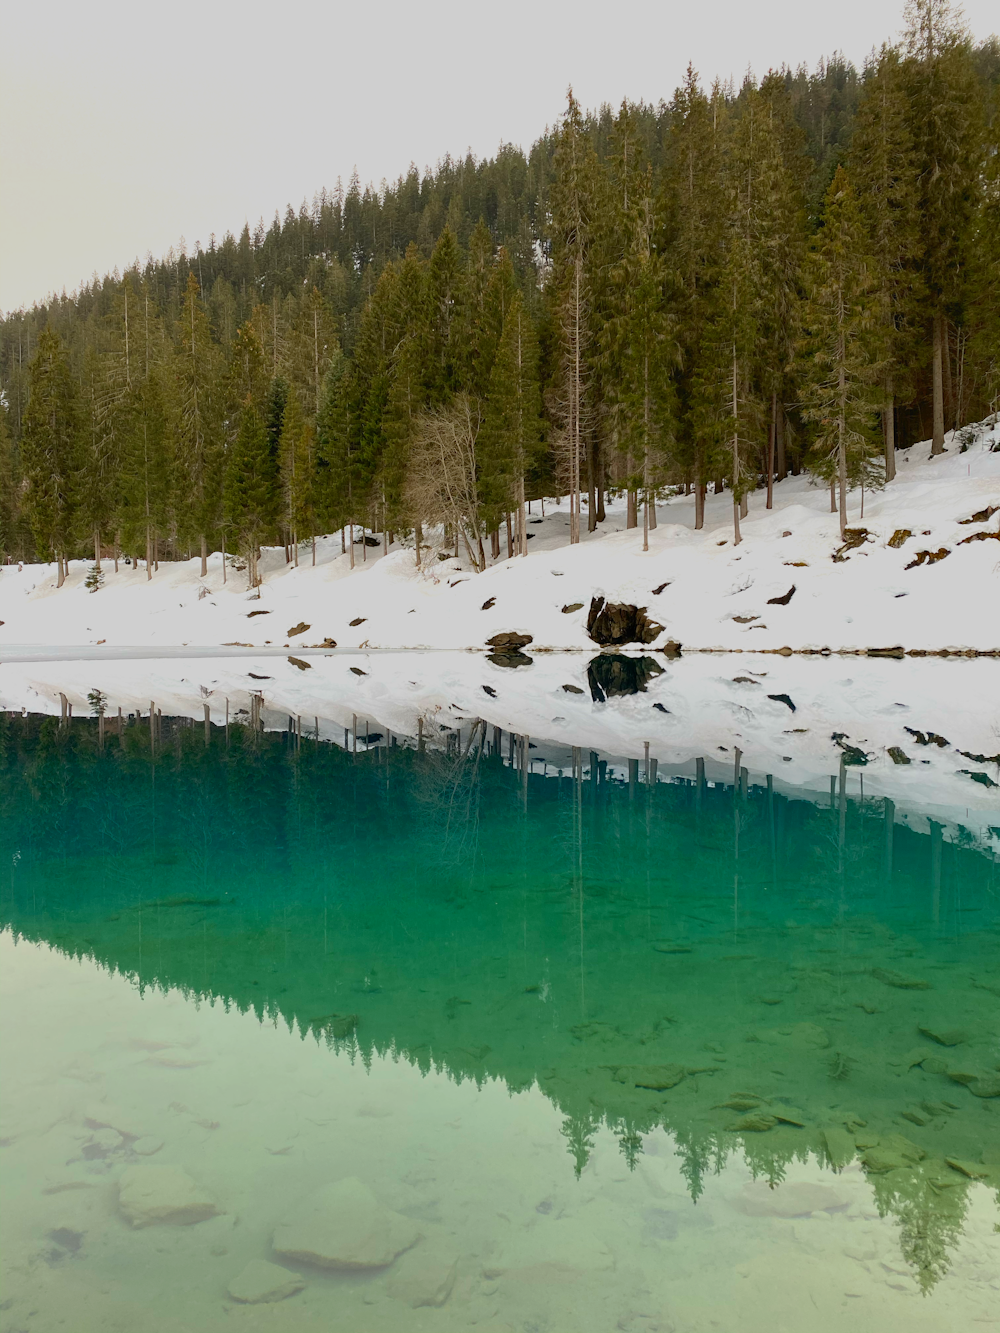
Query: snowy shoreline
[(922, 579)]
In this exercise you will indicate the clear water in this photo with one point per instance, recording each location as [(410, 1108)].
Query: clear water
[(622, 1053)]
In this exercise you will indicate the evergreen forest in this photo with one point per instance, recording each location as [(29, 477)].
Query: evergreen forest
[(798, 274)]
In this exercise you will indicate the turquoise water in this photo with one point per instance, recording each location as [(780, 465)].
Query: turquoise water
[(605, 1051)]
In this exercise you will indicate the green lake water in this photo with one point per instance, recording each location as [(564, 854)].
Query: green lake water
[(623, 1051)]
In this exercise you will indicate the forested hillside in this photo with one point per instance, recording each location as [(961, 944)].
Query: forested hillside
[(798, 274)]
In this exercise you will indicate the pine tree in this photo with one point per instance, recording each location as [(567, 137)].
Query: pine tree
[(11, 534), (945, 110), (248, 488), (50, 450), (197, 424), (882, 167), (298, 475), (638, 342), (572, 203), (778, 234), (446, 318), (693, 240), (509, 441), (843, 375), (982, 352)]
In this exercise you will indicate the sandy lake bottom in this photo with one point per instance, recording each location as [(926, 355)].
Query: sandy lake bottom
[(300, 1039)]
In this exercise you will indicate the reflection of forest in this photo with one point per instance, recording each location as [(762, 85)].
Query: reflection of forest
[(754, 973)]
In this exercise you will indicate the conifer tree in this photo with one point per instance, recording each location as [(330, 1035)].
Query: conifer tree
[(50, 450), (882, 167), (11, 535), (572, 203), (446, 317), (983, 308), (297, 474), (146, 491), (638, 343), (511, 432), (694, 222), (248, 488), (945, 110), (844, 370), (197, 425)]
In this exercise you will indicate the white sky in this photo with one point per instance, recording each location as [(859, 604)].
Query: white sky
[(124, 125)]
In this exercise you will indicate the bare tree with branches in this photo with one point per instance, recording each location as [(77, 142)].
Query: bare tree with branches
[(441, 485)]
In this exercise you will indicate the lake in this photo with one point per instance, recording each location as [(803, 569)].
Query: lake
[(319, 1018)]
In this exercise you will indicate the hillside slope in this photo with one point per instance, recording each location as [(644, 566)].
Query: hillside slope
[(703, 591)]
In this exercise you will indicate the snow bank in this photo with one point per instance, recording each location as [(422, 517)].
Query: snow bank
[(705, 592)]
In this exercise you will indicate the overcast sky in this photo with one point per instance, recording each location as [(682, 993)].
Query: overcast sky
[(124, 126)]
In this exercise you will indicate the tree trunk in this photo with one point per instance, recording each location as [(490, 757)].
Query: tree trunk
[(510, 540), (97, 549), (522, 522), (842, 475), (889, 432), (352, 545), (720, 485), (149, 555), (60, 576), (631, 510), (948, 396), (495, 544), (699, 505), (204, 558), (937, 439), (833, 496), (592, 484), (744, 505), (779, 439), (770, 451), (736, 523), (418, 536)]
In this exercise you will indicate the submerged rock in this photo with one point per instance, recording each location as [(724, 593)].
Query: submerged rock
[(980, 1082), (944, 1036), (158, 1195), (655, 1077), (840, 1146), (890, 978), (891, 1154), (344, 1226), (261, 1282), (425, 1276), (790, 1200)]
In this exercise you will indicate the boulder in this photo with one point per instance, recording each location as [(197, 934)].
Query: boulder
[(261, 1282), (620, 622), (509, 642), (343, 1225), (158, 1195)]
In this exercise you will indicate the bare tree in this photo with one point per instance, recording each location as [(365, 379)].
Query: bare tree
[(441, 485)]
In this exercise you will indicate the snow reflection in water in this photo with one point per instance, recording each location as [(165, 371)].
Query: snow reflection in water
[(622, 1048)]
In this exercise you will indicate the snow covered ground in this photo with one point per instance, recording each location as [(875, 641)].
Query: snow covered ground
[(705, 592)]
